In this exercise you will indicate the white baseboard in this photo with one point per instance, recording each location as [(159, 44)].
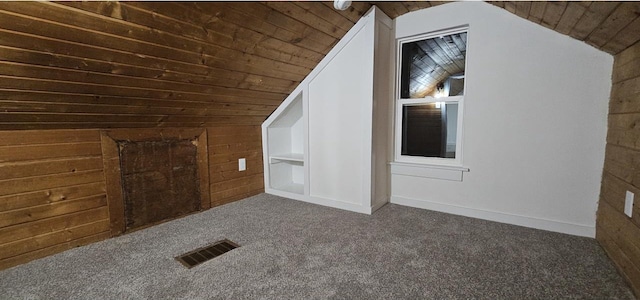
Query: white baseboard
[(321, 201), (550, 225), (338, 204)]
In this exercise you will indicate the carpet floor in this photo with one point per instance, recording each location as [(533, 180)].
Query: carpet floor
[(295, 250)]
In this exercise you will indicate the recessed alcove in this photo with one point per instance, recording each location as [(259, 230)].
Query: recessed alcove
[(286, 149)]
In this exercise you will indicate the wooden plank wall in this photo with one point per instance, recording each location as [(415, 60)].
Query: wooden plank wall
[(226, 146), (52, 193), (619, 234), (98, 65), (52, 186), (201, 64), (150, 64)]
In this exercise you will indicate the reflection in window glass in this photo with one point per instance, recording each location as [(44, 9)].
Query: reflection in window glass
[(433, 67), (430, 129)]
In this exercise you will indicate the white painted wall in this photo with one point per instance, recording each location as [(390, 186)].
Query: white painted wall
[(297, 146), (535, 120), (382, 135), (297, 137), (340, 100)]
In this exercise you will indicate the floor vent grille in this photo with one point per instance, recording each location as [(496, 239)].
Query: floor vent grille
[(198, 256)]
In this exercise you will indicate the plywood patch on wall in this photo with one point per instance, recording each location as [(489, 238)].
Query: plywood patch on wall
[(112, 164), (160, 181)]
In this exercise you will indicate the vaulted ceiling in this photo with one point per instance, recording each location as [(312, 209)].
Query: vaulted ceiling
[(151, 64), (610, 26)]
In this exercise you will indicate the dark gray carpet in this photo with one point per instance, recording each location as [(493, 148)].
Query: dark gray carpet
[(294, 250)]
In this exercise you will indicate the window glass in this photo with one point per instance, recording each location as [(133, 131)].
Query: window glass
[(430, 99), (430, 130), (433, 67)]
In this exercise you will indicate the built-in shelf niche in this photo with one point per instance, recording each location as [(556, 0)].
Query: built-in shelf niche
[(327, 143), (286, 149)]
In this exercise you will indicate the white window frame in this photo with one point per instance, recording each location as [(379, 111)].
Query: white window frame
[(454, 163), (457, 161)]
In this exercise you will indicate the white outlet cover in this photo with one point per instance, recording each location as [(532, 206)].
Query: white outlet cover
[(628, 204), (242, 164)]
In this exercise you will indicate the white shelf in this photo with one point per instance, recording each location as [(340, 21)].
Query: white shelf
[(291, 157), (284, 158)]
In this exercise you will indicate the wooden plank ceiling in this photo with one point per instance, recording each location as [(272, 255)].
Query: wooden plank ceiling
[(190, 64)]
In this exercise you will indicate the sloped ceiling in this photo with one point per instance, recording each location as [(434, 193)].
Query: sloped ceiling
[(156, 64)]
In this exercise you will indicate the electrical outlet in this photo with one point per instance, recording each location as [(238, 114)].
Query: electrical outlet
[(628, 204), (242, 164)]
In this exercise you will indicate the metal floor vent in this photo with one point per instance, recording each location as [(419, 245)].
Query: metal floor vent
[(198, 256)]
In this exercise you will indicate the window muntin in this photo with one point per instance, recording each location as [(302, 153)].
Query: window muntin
[(431, 86)]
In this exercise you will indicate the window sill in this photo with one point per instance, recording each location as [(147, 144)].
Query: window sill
[(453, 173)]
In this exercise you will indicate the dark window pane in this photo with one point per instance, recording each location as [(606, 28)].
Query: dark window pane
[(430, 130)]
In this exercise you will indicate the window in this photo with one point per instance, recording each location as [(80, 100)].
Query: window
[(430, 98)]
